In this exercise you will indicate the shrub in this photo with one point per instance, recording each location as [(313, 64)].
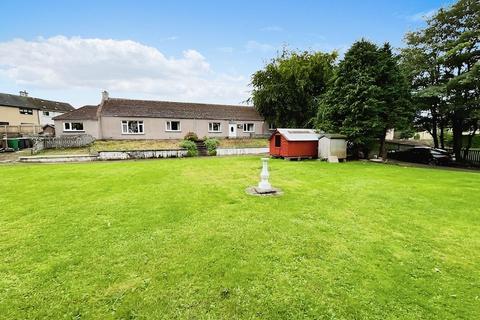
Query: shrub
[(211, 144), (191, 148), (191, 136)]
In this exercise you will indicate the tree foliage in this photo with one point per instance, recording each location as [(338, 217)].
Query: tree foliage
[(285, 91), (443, 63), (369, 95)]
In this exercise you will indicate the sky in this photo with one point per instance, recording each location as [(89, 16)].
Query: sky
[(194, 51)]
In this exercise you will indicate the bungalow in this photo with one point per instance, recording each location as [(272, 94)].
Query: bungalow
[(117, 118)]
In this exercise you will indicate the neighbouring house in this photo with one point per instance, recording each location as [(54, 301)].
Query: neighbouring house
[(22, 110), (116, 118), (294, 143)]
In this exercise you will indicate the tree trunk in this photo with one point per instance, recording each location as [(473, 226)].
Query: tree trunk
[(434, 127), (470, 139), (442, 135), (457, 138), (383, 148)]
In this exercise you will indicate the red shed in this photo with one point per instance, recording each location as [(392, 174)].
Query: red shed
[(294, 143)]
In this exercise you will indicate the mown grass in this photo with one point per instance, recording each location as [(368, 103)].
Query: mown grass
[(180, 239)]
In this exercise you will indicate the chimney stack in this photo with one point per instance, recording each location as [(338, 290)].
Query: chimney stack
[(104, 95), (23, 93)]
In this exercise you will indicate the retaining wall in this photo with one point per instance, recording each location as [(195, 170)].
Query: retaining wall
[(58, 158), (141, 154), (241, 151)]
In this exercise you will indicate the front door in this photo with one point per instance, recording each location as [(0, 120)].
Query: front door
[(232, 130)]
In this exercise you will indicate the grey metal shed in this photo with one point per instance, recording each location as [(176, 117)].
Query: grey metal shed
[(332, 145)]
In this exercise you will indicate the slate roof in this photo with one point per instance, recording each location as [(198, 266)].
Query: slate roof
[(11, 100), (83, 113), (114, 107), (299, 134)]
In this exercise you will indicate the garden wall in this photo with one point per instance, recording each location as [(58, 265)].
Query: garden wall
[(141, 154), (61, 142), (58, 158), (240, 151)]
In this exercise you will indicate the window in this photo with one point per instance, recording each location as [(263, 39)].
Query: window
[(26, 111), (248, 127), (46, 113), (73, 126), (214, 127), (173, 126), (278, 141), (132, 127)]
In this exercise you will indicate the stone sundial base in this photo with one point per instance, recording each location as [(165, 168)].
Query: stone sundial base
[(256, 191)]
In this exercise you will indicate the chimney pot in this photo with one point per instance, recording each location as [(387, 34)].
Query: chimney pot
[(104, 95)]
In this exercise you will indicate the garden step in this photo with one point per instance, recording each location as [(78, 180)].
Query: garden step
[(201, 148)]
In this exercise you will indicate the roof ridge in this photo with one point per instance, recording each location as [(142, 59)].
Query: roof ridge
[(182, 102), (29, 97)]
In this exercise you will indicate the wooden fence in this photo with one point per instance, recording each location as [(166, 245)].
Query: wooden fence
[(24, 129), (473, 155), (74, 141)]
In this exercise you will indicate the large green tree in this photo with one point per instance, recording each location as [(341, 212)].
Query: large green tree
[(285, 91), (443, 60), (421, 61), (369, 96)]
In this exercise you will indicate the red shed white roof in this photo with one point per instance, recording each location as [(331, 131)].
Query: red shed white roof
[(299, 134)]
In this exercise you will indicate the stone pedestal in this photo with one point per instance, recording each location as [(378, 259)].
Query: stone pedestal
[(264, 186)]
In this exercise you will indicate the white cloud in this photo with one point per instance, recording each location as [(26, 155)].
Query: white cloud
[(422, 16), (61, 63), (272, 28), (257, 46)]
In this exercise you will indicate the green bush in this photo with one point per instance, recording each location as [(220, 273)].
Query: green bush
[(211, 144), (416, 136), (191, 148), (191, 136)]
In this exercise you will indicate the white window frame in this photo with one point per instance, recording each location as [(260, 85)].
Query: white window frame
[(46, 113), (26, 111), (169, 124), (210, 127), (140, 125), (70, 127), (245, 126)]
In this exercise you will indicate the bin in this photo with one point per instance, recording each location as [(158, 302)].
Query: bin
[(21, 144), (13, 143)]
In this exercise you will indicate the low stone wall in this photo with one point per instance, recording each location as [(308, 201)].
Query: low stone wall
[(241, 151), (58, 158), (141, 154), (73, 141)]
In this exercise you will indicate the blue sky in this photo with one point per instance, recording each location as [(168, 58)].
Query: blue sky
[(201, 51)]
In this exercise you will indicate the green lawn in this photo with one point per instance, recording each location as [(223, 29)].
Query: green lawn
[(180, 238)]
